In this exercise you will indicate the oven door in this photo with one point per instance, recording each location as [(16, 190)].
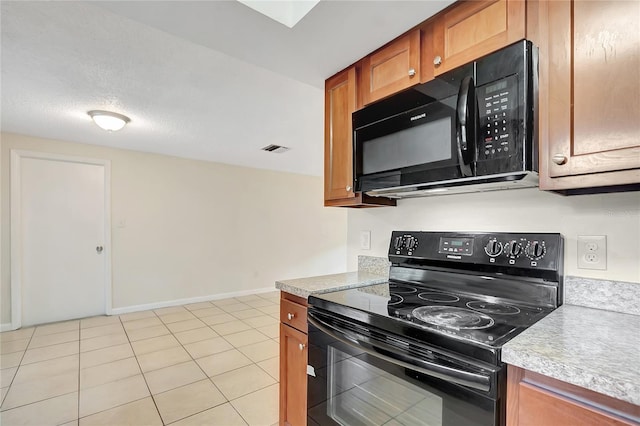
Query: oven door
[(357, 378)]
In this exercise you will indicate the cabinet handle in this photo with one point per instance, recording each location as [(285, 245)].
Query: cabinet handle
[(301, 346), (437, 60), (412, 72), (291, 316), (559, 159), (348, 188)]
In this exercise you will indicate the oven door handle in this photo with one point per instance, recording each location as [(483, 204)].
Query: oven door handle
[(473, 380)]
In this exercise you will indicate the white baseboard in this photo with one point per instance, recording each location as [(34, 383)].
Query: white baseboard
[(168, 303), (6, 327)]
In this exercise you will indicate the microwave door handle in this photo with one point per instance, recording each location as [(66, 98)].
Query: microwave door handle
[(466, 126), (460, 377)]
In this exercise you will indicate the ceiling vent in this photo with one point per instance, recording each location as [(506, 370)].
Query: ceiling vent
[(275, 148)]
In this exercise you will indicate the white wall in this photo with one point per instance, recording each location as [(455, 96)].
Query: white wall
[(524, 210), (184, 228)]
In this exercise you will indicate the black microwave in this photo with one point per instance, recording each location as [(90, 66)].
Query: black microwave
[(470, 129)]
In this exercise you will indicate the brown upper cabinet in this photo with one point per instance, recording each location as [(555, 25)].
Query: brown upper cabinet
[(589, 92), (589, 86), (339, 104), (471, 29), (391, 69)]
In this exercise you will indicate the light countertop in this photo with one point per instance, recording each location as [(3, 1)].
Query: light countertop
[(303, 287), (591, 348)]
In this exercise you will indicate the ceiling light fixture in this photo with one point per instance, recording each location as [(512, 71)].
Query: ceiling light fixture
[(109, 121)]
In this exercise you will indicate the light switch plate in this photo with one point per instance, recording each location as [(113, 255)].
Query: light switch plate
[(592, 252), (365, 240)]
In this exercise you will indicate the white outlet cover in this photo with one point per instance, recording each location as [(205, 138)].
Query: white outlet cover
[(592, 252)]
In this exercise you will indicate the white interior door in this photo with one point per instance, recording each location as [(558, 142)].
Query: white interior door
[(63, 229)]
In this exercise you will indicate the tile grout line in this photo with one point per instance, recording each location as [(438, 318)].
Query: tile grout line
[(123, 378), (18, 368), (228, 401), (196, 362), (140, 367), (20, 365), (166, 325), (234, 348), (254, 363)]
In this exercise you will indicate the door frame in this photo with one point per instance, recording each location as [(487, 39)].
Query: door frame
[(16, 226)]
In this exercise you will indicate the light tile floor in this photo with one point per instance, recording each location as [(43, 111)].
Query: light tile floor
[(210, 363)]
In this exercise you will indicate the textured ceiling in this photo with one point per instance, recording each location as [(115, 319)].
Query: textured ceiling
[(210, 80)]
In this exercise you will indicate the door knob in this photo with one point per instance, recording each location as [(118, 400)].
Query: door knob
[(301, 346), (412, 72), (99, 249), (437, 60), (559, 159), (348, 188)]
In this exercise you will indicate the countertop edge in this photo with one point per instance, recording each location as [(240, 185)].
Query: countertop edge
[(600, 383), (334, 282), (543, 349)]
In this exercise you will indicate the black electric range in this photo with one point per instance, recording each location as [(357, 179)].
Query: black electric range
[(465, 292), (425, 347)]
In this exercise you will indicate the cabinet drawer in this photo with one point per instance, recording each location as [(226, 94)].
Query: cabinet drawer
[(293, 314)]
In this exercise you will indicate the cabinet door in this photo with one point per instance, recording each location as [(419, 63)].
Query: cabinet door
[(534, 399), (471, 29), (541, 407), (339, 104), (391, 69), (293, 376), (591, 85)]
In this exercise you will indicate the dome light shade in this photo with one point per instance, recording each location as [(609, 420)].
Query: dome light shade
[(110, 121)]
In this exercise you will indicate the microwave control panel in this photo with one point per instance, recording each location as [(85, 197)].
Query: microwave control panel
[(498, 105)]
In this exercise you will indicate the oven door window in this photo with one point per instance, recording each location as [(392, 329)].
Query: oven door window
[(360, 393), (353, 388)]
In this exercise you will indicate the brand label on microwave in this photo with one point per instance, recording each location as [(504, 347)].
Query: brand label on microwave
[(419, 116)]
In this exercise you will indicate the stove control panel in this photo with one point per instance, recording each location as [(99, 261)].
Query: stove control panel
[(521, 250), (457, 245)]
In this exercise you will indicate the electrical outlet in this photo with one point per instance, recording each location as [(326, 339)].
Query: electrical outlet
[(365, 240), (592, 252)]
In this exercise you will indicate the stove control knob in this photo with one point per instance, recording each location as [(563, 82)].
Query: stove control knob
[(513, 248), (535, 250), (493, 247), (410, 242), (397, 243)]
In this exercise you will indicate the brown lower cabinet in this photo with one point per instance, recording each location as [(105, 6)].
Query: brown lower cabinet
[(293, 360), (536, 400)]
